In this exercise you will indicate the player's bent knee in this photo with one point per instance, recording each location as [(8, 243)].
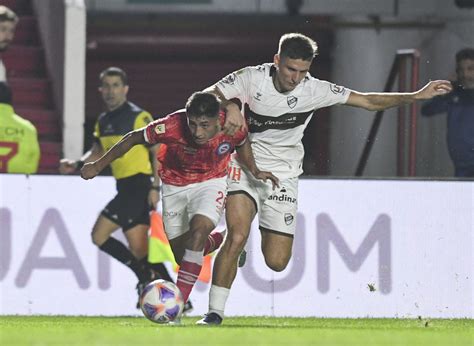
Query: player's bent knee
[(139, 252), (236, 242), (277, 264), (97, 240)]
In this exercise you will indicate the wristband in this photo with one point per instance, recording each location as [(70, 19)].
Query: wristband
[(157, 188)]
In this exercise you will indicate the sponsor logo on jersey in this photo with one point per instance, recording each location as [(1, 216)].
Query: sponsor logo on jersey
[(223, 148), (260, 123), (336, 89), (289, 218), (109, 129), (160, 128), (171, 214), (230, 79), (292, 101), (257, 96), (282, 198)]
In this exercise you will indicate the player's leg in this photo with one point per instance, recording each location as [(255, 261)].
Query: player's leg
[(101, 236), (178, 246), (137, 238), (205, 208), (276, 249), (277, 221), (191, 264), (133, 212), (240, 211), (213, 242)]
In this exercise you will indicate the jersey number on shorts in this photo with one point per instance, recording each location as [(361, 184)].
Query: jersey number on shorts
[(221, 199)]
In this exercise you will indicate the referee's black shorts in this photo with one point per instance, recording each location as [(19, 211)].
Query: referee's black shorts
[(130, 206)]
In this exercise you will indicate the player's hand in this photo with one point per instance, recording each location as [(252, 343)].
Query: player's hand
[(153, 198), (89, 171), (434, 88), (234, 120), (67, 166), (263, 175)]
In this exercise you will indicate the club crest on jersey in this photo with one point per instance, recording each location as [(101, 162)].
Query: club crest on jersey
[(160, 128), (336, 89), (109, 129), (289, 218), (292, 101), (223, 148)]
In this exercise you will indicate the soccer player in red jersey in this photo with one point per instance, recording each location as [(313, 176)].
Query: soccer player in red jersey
[(194, 175)]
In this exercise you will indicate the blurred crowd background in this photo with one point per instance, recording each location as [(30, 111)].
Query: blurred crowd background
[(171, 48)]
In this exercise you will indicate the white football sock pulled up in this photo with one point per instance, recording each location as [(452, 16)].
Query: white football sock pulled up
[(217, 299)]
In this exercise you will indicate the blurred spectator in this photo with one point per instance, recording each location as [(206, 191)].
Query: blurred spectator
[(8, 22), (459, 104), (19, 147)]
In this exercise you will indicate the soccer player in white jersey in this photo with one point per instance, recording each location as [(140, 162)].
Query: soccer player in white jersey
[(278, 100)]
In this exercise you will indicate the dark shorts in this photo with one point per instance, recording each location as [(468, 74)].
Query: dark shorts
[(130, 206)]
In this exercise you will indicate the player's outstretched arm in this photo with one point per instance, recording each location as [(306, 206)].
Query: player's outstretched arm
[(68, 166), (154, 193), (246, 157), (381, 101), (234, 120), (91, 169)]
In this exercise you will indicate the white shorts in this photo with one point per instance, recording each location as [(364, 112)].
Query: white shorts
[(276, 208), (181, 203)]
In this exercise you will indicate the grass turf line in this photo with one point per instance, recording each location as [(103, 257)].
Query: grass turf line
[(247, 331)]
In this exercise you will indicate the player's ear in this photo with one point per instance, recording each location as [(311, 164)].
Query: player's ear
[(276, 59), (126, 89)]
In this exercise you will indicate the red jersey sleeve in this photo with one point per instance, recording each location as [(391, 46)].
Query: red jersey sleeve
[(155, 132), (164, 130)]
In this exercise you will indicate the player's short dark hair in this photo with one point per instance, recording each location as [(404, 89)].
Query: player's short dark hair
[(203, 104), (114, 71), (297, 46), (7, 15), (5, 93), (464, 54)]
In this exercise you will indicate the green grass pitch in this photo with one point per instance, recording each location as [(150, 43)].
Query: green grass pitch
[(246, 331)]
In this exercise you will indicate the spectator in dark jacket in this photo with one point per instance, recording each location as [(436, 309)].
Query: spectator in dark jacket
[(459, 104)]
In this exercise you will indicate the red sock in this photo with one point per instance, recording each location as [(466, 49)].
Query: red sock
[(214, 241), (189, 272)]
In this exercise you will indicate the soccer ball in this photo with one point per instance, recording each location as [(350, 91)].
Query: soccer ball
[(161, 301)]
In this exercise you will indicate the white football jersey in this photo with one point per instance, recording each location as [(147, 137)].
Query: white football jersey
[(277, 120)]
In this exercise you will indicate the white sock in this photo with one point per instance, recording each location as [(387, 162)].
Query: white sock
[(193, 256), (217, 299)]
